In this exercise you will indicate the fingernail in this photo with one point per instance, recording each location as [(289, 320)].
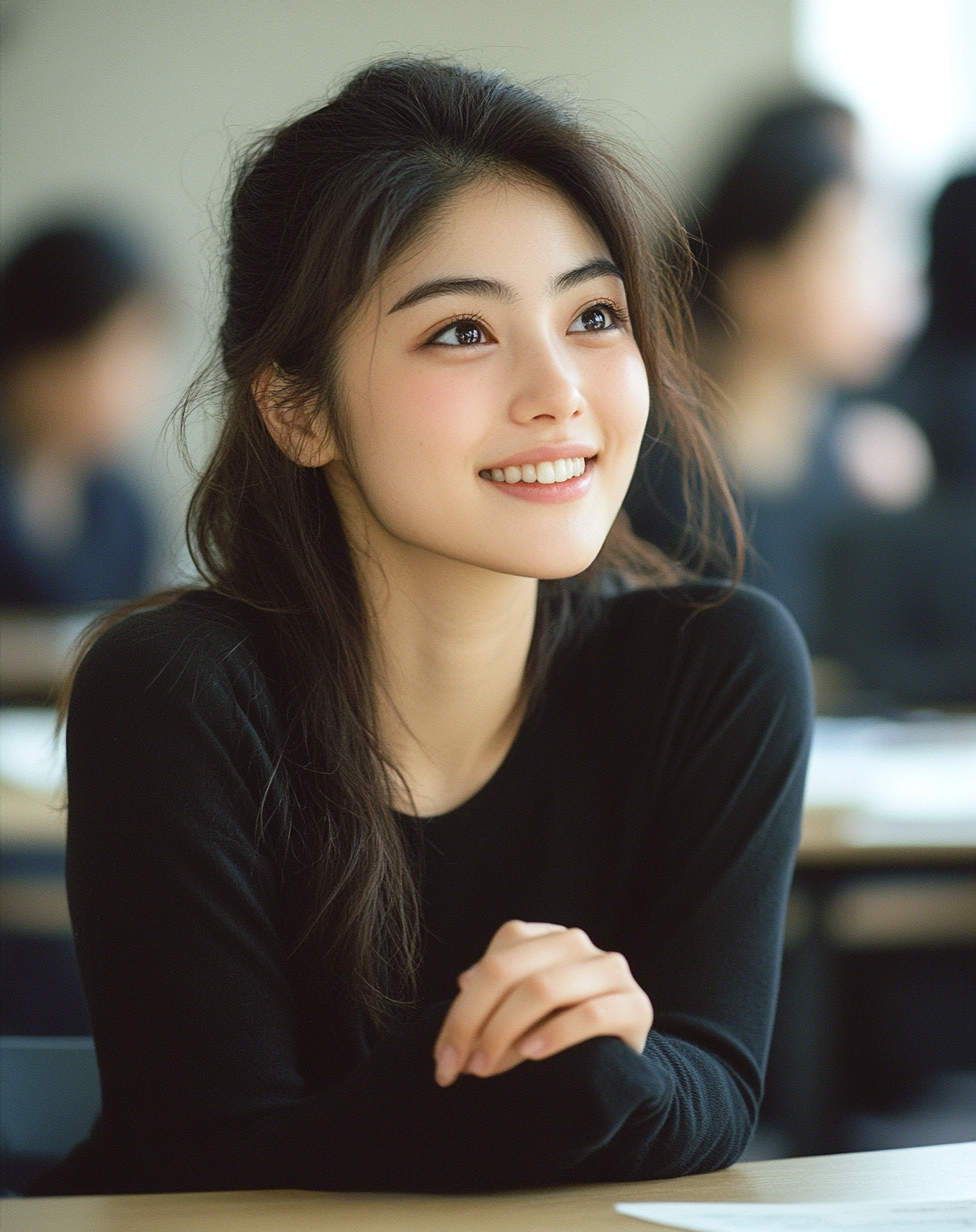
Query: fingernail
[(535, 1046), (478, 1063), (447, 1065)]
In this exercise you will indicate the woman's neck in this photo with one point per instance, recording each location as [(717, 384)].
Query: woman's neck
[(772, 412), (450, 646)]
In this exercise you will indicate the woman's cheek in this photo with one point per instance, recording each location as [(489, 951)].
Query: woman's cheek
[(421, 449), (437, 418), (624, 401)]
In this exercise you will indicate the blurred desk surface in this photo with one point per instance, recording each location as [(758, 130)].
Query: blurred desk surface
[(919, 1174), (838, 838), (34, 819), (35, 649), (31, 819), (879, 793)]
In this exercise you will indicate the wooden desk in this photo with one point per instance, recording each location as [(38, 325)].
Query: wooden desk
[(922, 1173), (826, 843)]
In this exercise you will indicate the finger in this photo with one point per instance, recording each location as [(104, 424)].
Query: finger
[(539, 996), (627, 1015), (490, 979), (489, 982), (512, 933), (494, 975)]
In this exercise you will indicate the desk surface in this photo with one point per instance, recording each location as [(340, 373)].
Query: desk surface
[(31, 819), (841, 839), (859, 771), (922, 1173)]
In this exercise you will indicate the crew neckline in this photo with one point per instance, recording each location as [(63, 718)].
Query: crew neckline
[(491, 785)]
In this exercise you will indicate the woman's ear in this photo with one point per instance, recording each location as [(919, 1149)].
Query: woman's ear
[(296, 428)]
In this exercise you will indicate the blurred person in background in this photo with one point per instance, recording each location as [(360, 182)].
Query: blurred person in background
[(936, 383), (903, 583), (795, 303), (82, 347)]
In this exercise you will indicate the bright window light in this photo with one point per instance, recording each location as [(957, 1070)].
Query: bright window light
[(908, 68)]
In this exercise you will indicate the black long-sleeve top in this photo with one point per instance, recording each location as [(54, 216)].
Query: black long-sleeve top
[(651, 798)]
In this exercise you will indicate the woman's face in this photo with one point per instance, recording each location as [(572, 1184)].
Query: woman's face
[(491, 364)]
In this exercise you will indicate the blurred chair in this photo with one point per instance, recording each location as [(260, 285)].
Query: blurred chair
[(875, 1037), (40, 986), (907, 981), (50, 1097)]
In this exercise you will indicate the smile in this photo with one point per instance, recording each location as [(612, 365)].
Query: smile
[(559, 471)]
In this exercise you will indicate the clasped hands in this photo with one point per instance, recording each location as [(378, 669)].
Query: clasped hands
[(538, 989)]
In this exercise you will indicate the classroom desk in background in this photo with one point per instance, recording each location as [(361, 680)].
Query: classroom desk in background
[(865, 890), (854, 885), (33, 822), (919, 1174)]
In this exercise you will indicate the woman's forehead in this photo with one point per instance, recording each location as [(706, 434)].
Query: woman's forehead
[(506, 228)]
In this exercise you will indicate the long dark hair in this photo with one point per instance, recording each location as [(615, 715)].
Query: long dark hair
[(320, 208)]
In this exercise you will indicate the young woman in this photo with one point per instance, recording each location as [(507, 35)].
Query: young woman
[(387, 849)]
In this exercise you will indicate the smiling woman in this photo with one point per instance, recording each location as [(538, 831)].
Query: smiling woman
[(382, 845)]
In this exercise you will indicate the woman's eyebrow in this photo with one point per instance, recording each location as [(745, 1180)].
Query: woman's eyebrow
[(487, 287), (598, 268), (491, 288)]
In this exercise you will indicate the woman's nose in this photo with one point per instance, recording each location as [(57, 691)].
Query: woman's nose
[(546, 387)]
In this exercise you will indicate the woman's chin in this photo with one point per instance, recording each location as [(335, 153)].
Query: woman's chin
[(546, 566)]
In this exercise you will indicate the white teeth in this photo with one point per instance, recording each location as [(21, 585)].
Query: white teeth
[(542, 472)]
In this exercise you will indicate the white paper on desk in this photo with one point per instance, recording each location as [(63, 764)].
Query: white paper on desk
[(935, 1216)]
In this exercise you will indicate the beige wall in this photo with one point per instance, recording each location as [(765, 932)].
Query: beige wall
[(139, 101)]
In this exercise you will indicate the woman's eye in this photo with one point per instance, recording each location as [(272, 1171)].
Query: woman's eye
[(461, 334), (596, 318)]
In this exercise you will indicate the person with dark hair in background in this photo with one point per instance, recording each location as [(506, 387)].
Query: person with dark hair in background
[(791, 306), (903, 585), (79, 357), (936, 383)]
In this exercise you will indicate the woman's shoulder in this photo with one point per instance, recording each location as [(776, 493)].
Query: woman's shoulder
[(200, 644), (710, 624), (666, 669)]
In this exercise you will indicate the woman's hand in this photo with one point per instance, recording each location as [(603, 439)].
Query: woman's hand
[(539, 988)]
